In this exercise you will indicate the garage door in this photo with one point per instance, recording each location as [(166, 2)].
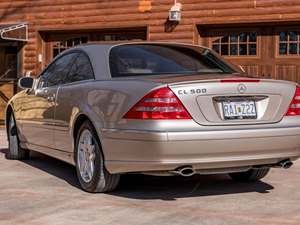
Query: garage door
[(58, 41), (269, 52)]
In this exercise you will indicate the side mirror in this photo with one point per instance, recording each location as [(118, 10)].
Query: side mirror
[(26, 82)]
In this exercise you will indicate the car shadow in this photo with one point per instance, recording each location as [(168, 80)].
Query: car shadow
[(170, 188), (57, 168), (143, 187)]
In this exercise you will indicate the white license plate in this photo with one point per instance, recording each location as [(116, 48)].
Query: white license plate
[(239, 110)]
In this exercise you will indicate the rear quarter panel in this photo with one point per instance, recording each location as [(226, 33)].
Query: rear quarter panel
[(103, 102)]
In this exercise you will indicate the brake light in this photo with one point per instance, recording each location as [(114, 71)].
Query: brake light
[(160, 104), (294, 109), (240, 81)]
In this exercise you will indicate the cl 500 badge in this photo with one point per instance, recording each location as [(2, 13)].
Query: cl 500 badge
[(192, 91)]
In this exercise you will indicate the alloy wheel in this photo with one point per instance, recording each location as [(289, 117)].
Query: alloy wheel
[(86, 156), (13, 138)]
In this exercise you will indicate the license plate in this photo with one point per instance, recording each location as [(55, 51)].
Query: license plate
[(239, 110)]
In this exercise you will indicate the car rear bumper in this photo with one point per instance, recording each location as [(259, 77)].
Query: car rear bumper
[(145, 151)]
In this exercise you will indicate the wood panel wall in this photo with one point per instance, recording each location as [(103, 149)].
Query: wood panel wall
[(97, 14)]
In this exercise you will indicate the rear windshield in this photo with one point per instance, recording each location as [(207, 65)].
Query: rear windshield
[(149, 59)]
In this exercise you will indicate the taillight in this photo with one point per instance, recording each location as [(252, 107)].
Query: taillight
[(160, 104), (294, 109)]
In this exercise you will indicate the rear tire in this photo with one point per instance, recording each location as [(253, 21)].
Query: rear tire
[(91, 171), (15, 150), (251, 175)]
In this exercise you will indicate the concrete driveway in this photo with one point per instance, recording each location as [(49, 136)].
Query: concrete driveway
[(45, 191)]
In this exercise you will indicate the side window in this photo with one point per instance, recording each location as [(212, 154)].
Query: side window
[(81, 69), (57, 72)]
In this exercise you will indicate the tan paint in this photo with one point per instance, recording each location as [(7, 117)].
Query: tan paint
[(204, 142)]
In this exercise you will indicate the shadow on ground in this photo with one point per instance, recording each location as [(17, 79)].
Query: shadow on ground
[(137, 186), (51, 166)]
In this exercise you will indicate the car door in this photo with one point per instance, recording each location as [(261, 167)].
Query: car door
[(39, 107), (70, 99)]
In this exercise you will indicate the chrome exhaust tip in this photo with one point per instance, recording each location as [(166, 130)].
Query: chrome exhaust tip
[(185, 171), (286, 164)]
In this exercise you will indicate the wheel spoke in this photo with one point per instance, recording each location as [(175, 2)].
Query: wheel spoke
[(92, 157), (86, 156), (85, 169), (13, 139), (81, 160), (89, 171)]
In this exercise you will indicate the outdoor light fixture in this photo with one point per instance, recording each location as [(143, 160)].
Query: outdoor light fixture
[(175, 12)]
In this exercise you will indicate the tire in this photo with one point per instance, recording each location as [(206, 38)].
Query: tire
[(90, 168), (251, 175), (15, 150)]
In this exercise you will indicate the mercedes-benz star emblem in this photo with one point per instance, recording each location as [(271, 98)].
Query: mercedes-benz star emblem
[(242, 88)]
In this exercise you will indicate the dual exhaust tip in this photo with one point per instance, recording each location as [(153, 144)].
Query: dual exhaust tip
[(184, 171), (188, 171), (285, 164)]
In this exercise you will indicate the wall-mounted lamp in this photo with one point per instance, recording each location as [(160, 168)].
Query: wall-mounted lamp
[(175, 12)]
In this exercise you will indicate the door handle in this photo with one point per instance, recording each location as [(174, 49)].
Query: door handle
[(41, 93), (51, 98)]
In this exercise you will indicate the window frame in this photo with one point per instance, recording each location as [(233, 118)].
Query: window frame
[(49, 66), (214, 34), (59, 57), (91, 65), (277, 42)]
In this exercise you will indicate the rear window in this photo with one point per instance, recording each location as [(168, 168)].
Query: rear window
[(149, 59)]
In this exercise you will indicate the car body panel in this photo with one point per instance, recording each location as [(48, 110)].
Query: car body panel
[(206, 141), (216, 147), (37, 117), (271, 105)]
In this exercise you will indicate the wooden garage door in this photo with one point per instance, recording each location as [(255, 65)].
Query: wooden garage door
[(268, 52), (56, 42)]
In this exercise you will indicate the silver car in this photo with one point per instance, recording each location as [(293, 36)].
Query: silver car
[(157, 109)]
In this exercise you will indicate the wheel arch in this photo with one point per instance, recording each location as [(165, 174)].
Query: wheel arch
[(78, 121)]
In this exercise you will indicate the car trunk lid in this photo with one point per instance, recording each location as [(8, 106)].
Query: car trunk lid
[(235, 100)]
